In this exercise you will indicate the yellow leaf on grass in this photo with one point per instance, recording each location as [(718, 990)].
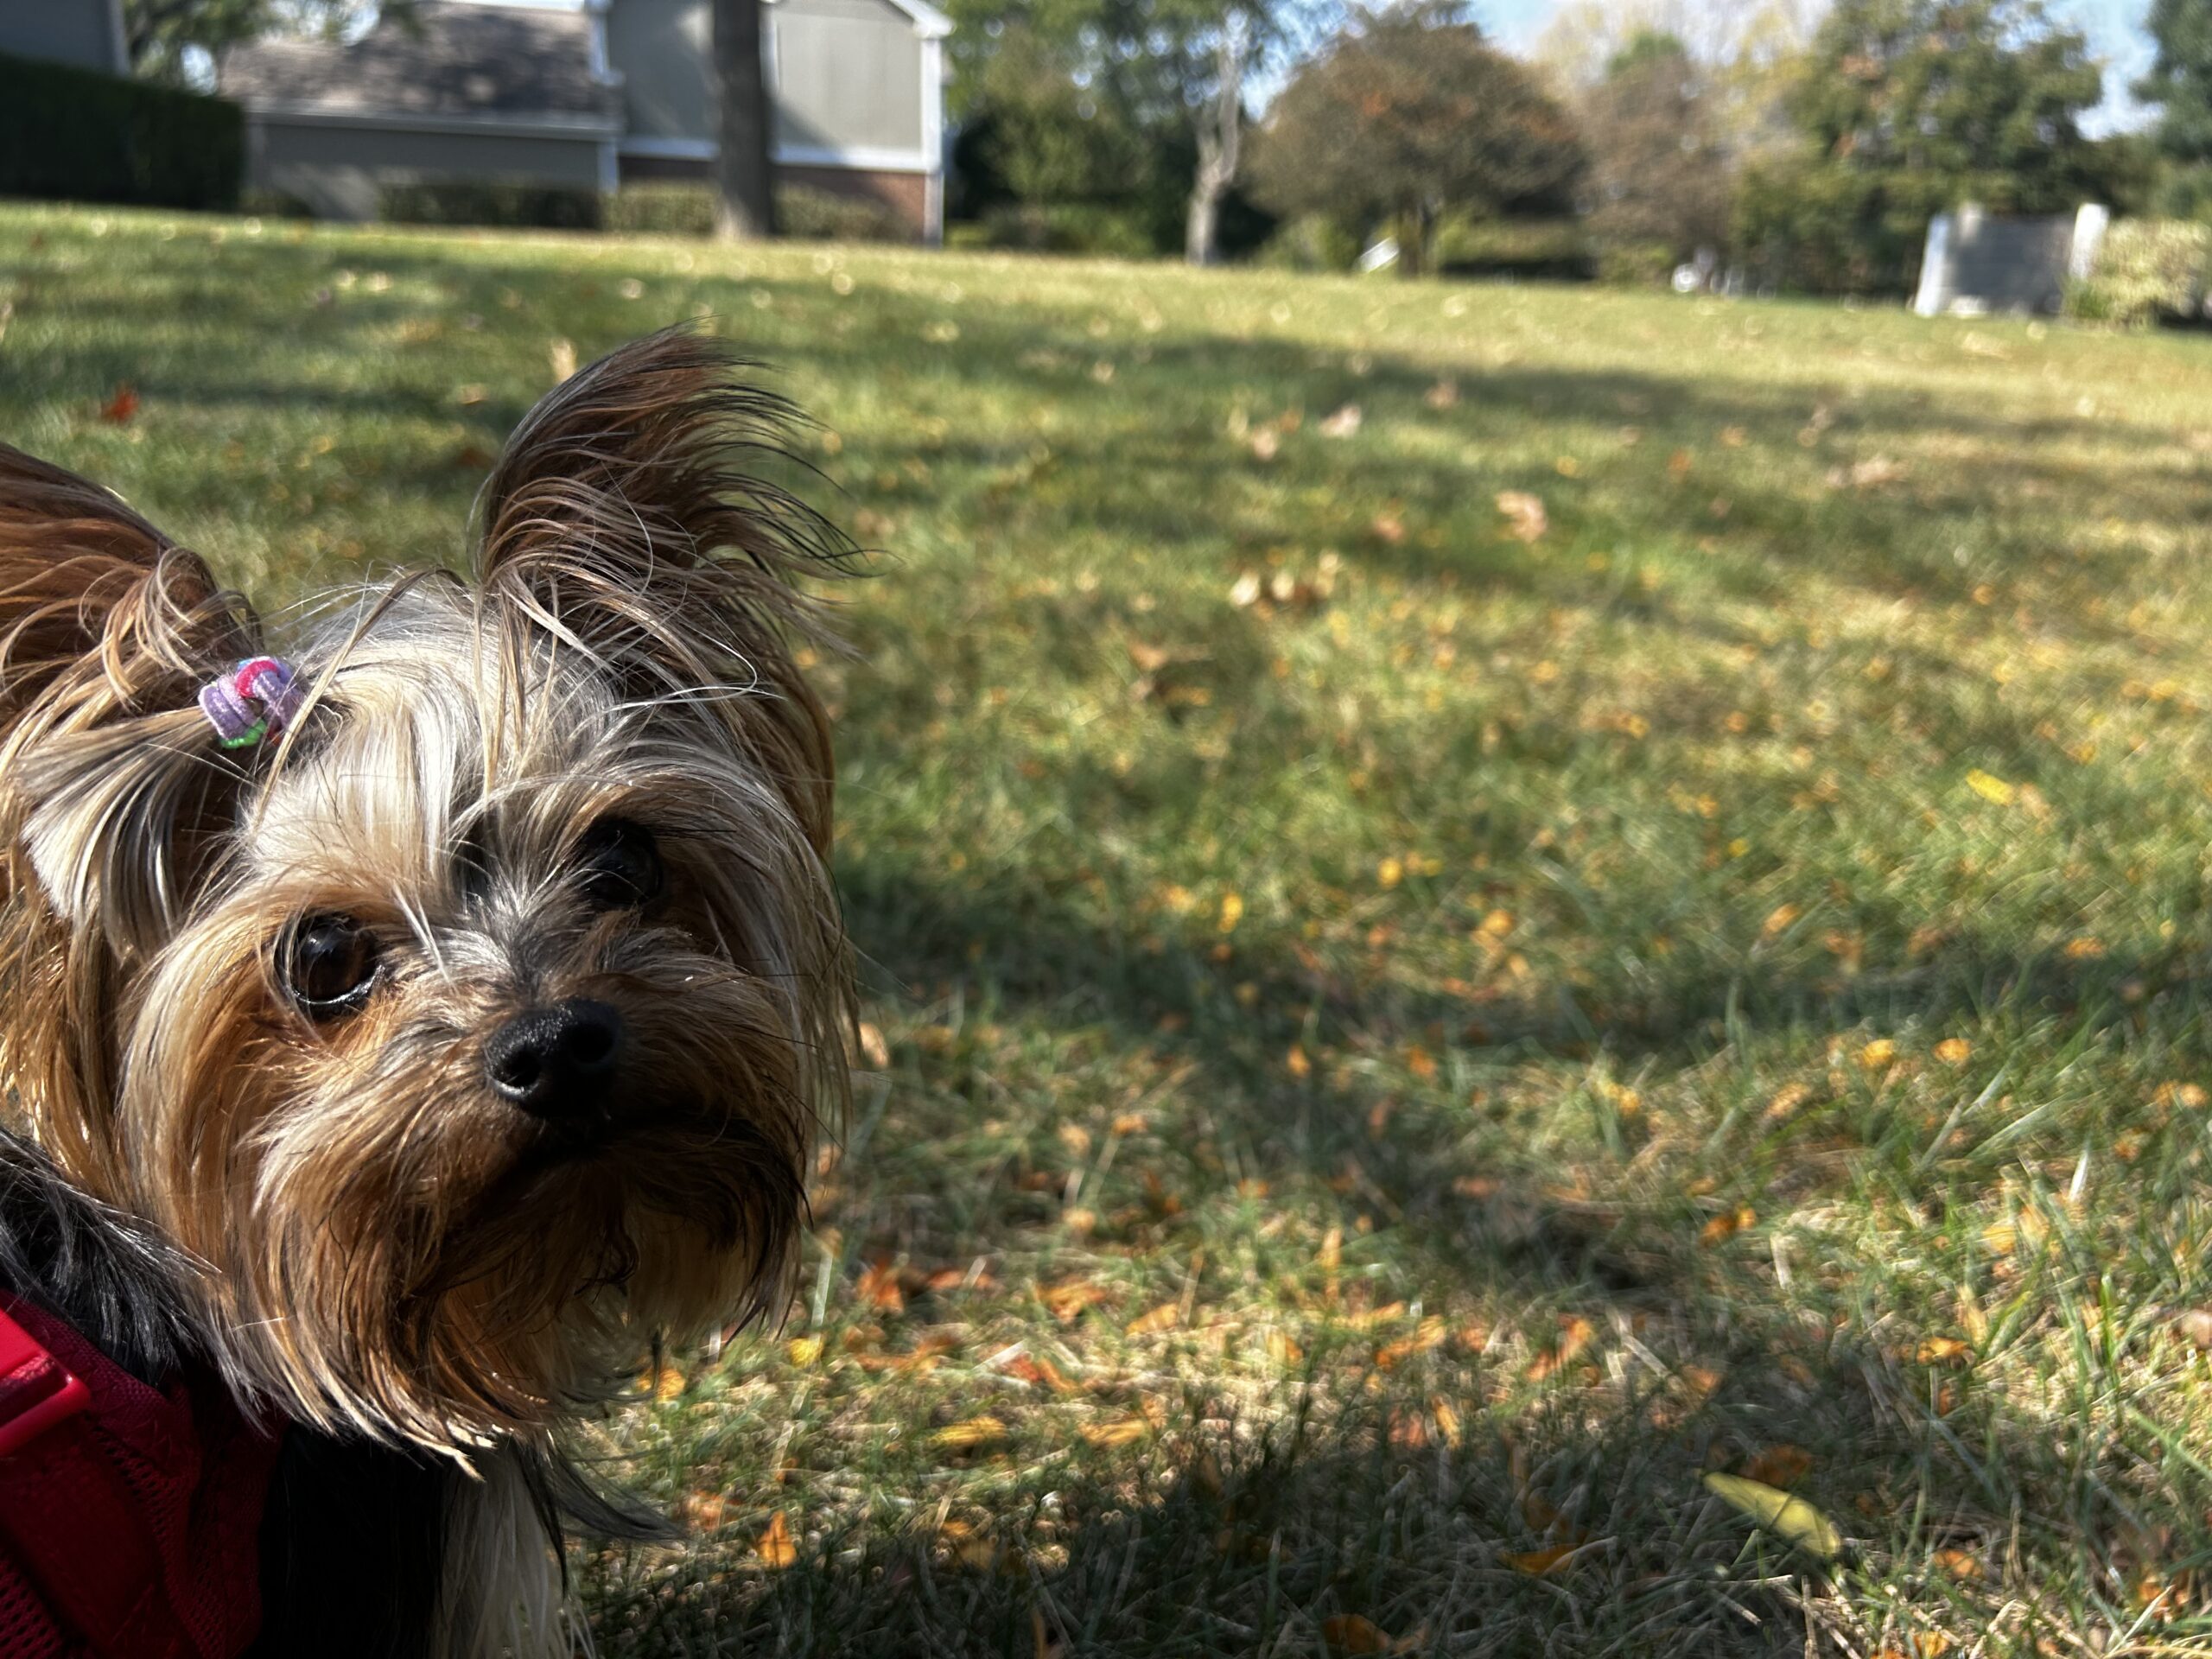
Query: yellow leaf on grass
[(774, 1547), (1791, 1519), (1953, 1050), (1296, 1062), (1942, 1350), (1122, 1431), (1877, 1054), (966, 1436), (1390, 872), (1779, 919), (1990, 788), (1537, 1562), (804, 1351), (1350, 1633), (1232, 911), (668, 1382), (1166, 1317)]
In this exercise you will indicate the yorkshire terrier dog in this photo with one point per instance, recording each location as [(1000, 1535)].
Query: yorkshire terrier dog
[(408, 1025)]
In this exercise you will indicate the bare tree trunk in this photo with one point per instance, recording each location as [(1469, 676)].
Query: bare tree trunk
[(745, 197), (1221, 145)]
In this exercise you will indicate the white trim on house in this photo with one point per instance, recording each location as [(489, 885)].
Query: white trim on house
[(933, 136), (610, 167), (929, 22), (863, 157), (120, 35), (523, 126)]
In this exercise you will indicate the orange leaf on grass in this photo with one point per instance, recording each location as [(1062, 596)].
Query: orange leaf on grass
[(1780, 1465), (121, 406), (878, 1287), (1349, 1633), (1574, 1335), (1537, 1562), (774, 1547)]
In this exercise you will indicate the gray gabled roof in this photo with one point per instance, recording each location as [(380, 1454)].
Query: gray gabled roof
[(456, 62)]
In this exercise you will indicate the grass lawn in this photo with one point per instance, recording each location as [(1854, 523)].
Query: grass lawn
[(1409, 1023)]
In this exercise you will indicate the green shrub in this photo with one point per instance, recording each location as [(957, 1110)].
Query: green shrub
[(76, 134), (819, 215), (673, 209), (1528, 249), (680, 207), (1311, 242), (2148, 271), (1070, 227), (526, 207), (1637, 265)]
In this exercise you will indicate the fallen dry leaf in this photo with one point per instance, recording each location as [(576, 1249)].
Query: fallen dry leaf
[(774, 1547), (1791, 1519), (1780, 1465), (1342, 424), (1537, 1562), (1166, 1317), (121, 406), (1526, 520), (1122, 1431), (1575, 1333), (1349, 1633), (967, 1435)]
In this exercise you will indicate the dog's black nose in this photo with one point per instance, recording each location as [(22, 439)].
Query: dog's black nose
[(555, 1062)]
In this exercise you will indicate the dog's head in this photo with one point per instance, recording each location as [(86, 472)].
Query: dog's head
[(472, 1022)]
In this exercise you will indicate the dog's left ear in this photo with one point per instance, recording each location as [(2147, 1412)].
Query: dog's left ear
[(107, 773), (630, 518)]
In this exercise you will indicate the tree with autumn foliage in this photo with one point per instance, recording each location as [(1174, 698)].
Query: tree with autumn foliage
[(1407, 113), (1661, 176)]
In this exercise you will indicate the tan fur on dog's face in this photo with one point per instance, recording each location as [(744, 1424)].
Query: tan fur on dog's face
[(390, 1244)]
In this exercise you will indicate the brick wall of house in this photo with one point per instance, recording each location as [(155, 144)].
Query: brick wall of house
[(905, 194)]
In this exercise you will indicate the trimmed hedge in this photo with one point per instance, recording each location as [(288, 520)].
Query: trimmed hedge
[(74, 134), (526, 207), (680, 208), (2148, 271)]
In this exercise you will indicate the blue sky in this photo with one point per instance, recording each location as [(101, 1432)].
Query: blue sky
[(2115, 29)]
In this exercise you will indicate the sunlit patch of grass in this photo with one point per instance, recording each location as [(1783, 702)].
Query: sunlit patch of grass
[(1401, 1046)]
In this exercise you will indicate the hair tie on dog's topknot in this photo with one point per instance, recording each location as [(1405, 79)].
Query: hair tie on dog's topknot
[(229, 701)]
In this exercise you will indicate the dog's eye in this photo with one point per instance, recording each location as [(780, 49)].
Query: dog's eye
[(329, 965), (620, 865)]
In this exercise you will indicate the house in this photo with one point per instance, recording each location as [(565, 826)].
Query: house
[(594, 94), (87, 34)]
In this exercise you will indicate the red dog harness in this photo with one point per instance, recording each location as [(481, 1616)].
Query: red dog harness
[(129, 1517)]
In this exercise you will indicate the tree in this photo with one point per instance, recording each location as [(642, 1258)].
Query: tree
[(1660, 175), (1405, 113), (2180, 82), (744, 194), (162, 37), (1907, 108)]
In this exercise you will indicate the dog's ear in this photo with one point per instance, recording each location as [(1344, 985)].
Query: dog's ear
[(107, 770), (631, 517)]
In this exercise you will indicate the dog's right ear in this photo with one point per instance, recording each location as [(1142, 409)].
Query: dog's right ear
[(107, 630)]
